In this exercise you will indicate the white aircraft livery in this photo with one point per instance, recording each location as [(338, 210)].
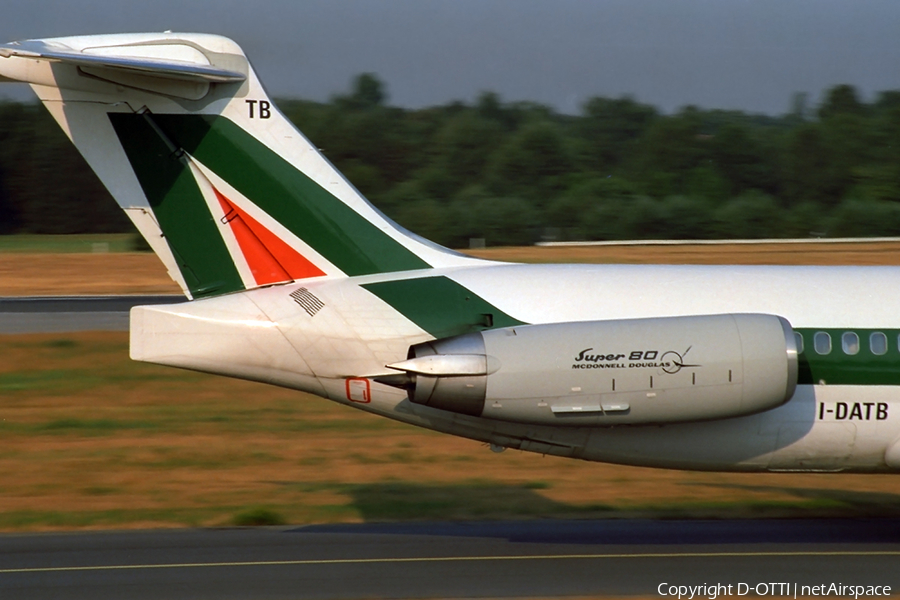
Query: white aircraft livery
[(296, 280)]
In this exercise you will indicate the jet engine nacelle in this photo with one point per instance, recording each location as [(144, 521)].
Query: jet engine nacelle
[(660, 370)]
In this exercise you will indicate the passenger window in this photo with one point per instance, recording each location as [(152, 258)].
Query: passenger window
[(798, 339), (878, 343), (850, 343), (822, 342)]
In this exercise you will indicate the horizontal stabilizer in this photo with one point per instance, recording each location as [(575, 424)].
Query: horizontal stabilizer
[(167, 68)]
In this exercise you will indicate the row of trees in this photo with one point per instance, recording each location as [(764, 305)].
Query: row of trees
[(45, 185), (514, 173)]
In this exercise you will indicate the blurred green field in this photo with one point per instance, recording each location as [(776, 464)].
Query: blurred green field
[(90, 439), (70, 243)]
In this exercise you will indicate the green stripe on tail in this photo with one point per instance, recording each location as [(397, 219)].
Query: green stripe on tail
[(337, 232), (441, 306), (179, 208)]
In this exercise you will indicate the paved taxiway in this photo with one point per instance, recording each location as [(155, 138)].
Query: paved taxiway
[(58, 314), (497, 559)]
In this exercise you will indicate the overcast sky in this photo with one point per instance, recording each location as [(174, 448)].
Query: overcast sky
[(751, 55)]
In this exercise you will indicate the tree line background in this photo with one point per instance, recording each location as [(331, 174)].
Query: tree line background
[(516, 173)]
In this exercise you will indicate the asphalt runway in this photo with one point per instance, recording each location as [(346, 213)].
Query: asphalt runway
[(59, 314), (453, 560)]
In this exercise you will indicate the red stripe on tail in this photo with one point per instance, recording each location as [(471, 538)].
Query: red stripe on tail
[(270, 258)]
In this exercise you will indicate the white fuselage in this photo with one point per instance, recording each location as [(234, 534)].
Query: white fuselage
[(263, 335)]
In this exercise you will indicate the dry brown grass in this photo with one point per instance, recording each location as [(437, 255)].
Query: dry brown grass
[(48, 274), (812, 253), (142, 273)]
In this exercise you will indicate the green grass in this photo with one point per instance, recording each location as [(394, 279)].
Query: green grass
[(256, 517), (69, 244), (77, 427), (100, 490), (404, 501), (61, 343), (187, 517), (65, 380)]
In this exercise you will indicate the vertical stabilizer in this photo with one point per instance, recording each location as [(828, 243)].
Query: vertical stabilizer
[(223, 187)]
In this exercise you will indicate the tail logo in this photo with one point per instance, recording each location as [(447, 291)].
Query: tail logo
[(263, 252)]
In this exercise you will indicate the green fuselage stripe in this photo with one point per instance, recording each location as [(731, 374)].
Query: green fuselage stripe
[(441, 306), (837, 367)]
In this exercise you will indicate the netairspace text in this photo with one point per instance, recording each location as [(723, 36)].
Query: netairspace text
[(787, 589)]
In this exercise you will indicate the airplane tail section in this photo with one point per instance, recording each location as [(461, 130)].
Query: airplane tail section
[(221, 185)]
